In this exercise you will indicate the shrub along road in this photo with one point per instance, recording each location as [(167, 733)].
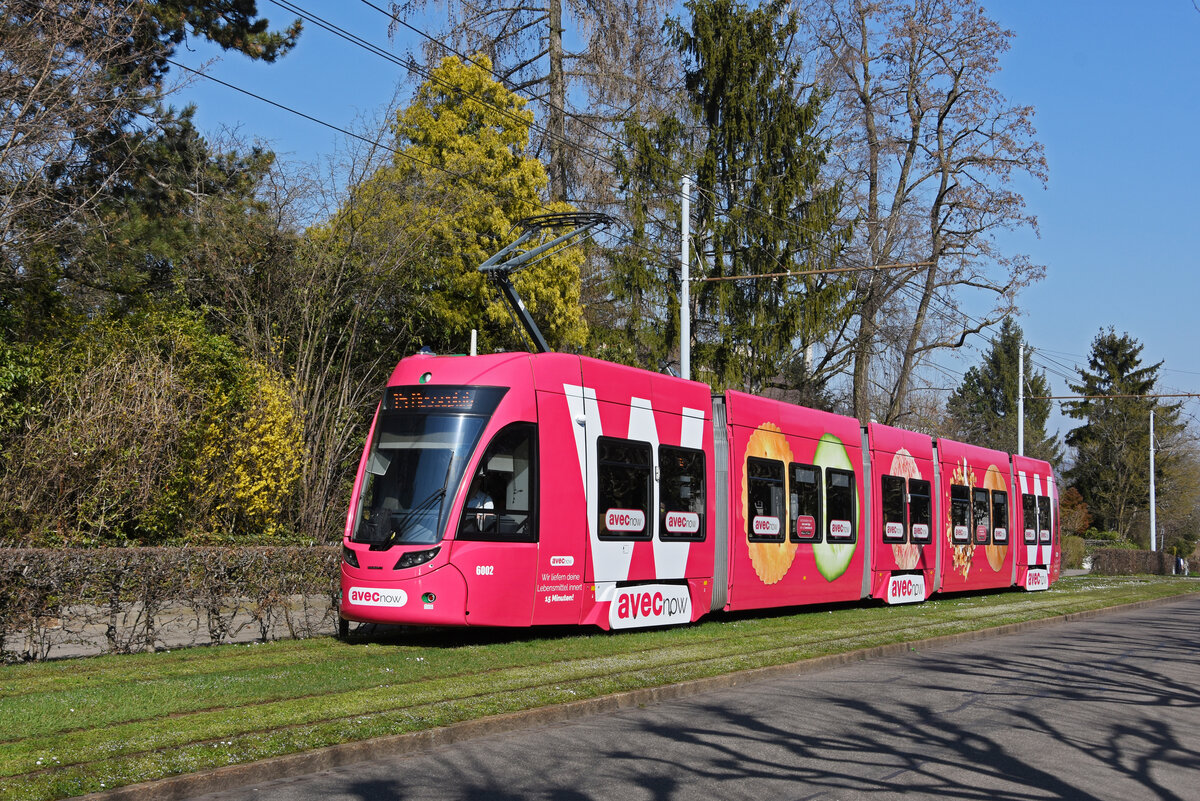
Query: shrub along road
[(81, 726)]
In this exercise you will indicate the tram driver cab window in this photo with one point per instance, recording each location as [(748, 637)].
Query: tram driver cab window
[(500, 501)]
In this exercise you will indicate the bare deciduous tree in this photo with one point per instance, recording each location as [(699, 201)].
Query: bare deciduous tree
[(57, 88), (623, 67), (929, 152)]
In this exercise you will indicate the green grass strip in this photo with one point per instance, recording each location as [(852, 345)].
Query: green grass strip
[(73, 727)]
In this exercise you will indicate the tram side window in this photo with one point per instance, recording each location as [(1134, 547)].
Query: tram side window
[(624, 472), (960, 513), (1044, 519), (894, 517), (805, 502), (1029, 515), (500, 501), (681, 493), (982, 516), (920, 510), (764, 518), (839, 505), (999, 517)]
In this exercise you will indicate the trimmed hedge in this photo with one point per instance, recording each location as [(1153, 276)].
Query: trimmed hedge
[(1123, 562), (122, 600)]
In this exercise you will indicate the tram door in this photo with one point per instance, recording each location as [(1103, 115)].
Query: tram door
[(1035, 547), (557, 585), (496, 544)]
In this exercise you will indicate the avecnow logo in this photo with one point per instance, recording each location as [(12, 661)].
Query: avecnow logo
[(649, 605), (562, 561), (365, 596), (625, 520), (906, 589), (766, 526), (1037, 580), (683, 522)]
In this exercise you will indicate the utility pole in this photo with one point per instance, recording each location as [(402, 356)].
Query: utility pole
[(685, 295), (1153, 522), (1020, 399)]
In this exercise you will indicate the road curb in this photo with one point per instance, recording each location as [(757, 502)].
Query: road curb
[(234, 776)]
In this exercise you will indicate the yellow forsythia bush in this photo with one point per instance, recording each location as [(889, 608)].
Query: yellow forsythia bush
[(250, 457)]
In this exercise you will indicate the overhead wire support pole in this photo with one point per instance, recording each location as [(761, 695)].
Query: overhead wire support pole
[(1020, 398), (1153, 498), (685, 298), (1153, 510), (503, 264)]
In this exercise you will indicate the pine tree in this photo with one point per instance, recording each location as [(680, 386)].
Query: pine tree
[(761, 207), (983, 409), (1112, 446)]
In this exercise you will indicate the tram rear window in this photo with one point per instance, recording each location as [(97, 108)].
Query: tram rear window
[(681, 493), (624, 472), (805, 503), (982, 516), (764, 491), (960, 513), (1044, 519), (1029, 514), (839, 505), (999, 516), (920, 509), (895, 520)]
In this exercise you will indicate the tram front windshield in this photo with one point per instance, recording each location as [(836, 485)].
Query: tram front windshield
[(423, 441)]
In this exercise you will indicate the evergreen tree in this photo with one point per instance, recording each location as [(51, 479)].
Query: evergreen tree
[(89, 153), (983, 409), (1112, 445), (760, 206), (452, 196)]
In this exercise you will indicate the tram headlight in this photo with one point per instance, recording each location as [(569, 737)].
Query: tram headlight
[(349, 555), (414, 558)]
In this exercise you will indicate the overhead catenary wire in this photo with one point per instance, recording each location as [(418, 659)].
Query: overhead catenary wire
[(905, 265), (1152, 396), (658, 254), (412, 66), (357, 136), (671, 168)]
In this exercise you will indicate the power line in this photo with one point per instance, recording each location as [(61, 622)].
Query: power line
[(411, 65), (1113, 397), (671, 168), (428, 75), (907, 265)]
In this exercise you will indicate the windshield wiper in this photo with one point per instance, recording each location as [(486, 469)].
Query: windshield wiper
[(400, 528)]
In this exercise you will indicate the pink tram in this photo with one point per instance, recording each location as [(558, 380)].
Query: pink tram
[(523, 489)]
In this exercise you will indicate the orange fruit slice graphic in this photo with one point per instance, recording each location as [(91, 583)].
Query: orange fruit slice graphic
[(771, 560), (994, 480)]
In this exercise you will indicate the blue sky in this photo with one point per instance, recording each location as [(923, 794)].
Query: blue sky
[(1116, 85)]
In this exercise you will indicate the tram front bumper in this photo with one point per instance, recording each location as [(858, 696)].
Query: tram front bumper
[(436, 598)]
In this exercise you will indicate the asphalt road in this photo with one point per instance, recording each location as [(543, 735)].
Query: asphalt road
[(1107, 708)]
